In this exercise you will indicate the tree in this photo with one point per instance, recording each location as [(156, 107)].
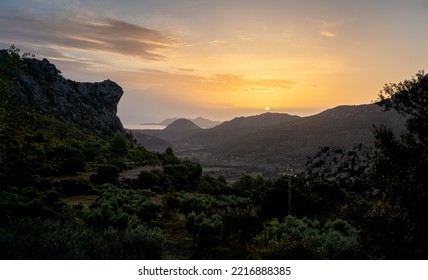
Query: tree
[(106, 174), (119, 145), (306, 239), (205, 229), (409, 98), (400, 172), (169, 157)]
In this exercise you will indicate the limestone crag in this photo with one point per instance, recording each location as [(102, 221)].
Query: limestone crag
[(335, 164), (92, 105)]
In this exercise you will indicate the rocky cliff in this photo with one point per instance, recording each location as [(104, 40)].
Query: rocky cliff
[(91, 105)]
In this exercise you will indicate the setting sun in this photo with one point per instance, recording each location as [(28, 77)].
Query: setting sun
[(192, 58)]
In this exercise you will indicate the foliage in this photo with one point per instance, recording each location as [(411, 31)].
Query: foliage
[(120, 208), (409, 98), (400, 174), (79, 186), (107, 173), (205, 229), (306, 239), (41, 239), (119, 145)]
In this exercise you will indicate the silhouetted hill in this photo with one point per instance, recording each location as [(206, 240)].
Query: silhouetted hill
[(282, 139), (205, 123), (253, 122), (177, 130), (292, 143), (199, 121), (181, 125), (236, 128)]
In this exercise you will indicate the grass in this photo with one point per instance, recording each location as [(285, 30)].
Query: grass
[(178, 242), (84, 200)]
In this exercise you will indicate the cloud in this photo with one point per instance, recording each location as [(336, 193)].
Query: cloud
[(327, 34), (246, 38), (230, 82), (186, 69), (85, 33), (219, 83), (219, 42)]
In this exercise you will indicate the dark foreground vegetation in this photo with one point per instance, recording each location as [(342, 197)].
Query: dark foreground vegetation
[(63, 196)]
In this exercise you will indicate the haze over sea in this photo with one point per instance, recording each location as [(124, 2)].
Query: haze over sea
[(142, 126)]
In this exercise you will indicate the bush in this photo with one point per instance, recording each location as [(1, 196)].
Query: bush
[(143, 243), (306, 239), (206, 230), (106, 174), (79, 186)]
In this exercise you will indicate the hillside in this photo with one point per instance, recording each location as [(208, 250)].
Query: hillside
[(52, 125), (149, 142), (91, 105)]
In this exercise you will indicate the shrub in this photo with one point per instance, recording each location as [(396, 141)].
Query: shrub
[(306, 239), (106, 174), (143, 243)]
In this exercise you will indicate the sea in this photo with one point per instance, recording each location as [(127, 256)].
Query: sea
[(143, 126)]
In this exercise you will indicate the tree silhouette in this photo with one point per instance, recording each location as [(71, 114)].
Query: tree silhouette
[(398, 224)]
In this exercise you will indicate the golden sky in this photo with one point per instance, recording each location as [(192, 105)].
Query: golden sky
[(220, 59)]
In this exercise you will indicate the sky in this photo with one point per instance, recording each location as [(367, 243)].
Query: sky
[(221, 59)]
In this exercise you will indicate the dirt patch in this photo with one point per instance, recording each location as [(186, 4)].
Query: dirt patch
[(134, 173)]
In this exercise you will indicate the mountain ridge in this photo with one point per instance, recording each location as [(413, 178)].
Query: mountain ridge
[(279, 138)]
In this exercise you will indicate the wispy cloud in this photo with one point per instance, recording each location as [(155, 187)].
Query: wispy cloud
[(186, 69), (218, 83), (230, 82), (327, 34), (84, 33), (246, 38)]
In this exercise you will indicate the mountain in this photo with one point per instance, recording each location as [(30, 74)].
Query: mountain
[(181, 125), (292, 143), (263, 120), (273, 139), (205, 123), (175, 131), (199, 121), (236, 128)]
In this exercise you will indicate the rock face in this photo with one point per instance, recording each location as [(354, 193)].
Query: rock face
[(334, 164), (92, 105)]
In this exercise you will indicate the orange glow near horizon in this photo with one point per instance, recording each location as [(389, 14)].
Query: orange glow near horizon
[(199, 58)]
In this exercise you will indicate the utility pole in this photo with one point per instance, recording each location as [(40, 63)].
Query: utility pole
[(288, 172), (289, 195)]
